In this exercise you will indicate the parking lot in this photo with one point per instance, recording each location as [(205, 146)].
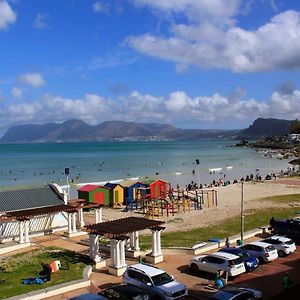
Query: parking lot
[(267, 277)]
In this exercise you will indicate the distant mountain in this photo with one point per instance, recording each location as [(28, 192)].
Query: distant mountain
[(266, 127), (77, 130)]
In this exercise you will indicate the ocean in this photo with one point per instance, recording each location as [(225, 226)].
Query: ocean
[(173, 161)]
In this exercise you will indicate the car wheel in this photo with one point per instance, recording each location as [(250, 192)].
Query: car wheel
[(194, 268), (281, 253)]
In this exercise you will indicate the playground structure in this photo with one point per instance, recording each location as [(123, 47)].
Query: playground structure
[(171, 201)]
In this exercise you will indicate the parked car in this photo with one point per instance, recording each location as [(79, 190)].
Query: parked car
[(286, 227), (237, 293), (250, 261), (124, 292), (218, 261), (263, 251), (282, 244), (88, 296), (159, 284)]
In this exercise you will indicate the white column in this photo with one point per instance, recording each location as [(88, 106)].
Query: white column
[(69, 223), (80, 214), (113, 252), (100, 215), (21, 232), (94, 248), (154, 243), (122, 253), (26, 234), (136, 244), (131, 240), (118, 254), (96, 216), (74, 222), (158, 242)]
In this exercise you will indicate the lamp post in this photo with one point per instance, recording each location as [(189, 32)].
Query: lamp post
[(67, 172), (242, 212), (198, 164)]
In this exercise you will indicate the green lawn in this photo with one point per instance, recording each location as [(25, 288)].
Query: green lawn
[(18, 267), (253, 219)]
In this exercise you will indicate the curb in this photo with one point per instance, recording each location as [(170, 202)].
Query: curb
[(57, 289)]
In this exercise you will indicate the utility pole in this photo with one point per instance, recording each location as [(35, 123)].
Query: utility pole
[(67, 172), (242, 212), (198, 164)]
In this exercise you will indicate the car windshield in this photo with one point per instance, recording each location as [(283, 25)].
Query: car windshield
[(243, 254), (162, 278), (270, 248)]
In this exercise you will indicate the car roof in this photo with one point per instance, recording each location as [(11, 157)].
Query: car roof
[(224, 255), (88, 296), (127, 288), (231, 249), (148, 269), (229, 291), (279, 238), (259, 243)]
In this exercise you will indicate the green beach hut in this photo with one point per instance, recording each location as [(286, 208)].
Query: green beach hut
[(95, 194)]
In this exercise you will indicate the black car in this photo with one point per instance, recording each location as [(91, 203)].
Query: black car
[(124, 291), (237, 293)]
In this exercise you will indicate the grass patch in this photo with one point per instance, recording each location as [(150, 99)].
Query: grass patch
[(18, 267), (230, 227), (283, 198)]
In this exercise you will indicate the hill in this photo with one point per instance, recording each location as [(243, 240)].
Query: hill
[(266, 127), (77, 131)]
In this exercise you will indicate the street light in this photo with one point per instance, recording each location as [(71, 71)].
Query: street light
[(242, 212), (67, 172), (198, 164)]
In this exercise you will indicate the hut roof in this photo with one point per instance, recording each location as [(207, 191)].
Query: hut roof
[(112, 185), (128, 183), (87, 188)]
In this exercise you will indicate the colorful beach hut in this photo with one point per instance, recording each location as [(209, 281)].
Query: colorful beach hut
[(134, 190), (158, 188), (95, 194), (117, 191)]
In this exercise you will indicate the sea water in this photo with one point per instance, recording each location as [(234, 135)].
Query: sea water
[(173, 161)]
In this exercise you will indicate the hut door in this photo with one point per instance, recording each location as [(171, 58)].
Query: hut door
[(156, 192), (99, 198), (116, 200)]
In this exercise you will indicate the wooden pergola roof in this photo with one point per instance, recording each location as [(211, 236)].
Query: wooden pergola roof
[(121, 227), (40, 211)]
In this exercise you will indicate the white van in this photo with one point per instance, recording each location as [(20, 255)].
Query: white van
[(218, 261)]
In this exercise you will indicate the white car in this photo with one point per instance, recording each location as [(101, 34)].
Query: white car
[(218, 261), (263, 251), (284, 245)]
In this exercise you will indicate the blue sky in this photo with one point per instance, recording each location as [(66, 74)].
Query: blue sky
[(189, 63)]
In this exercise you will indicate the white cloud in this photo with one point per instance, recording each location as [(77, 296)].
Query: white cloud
[(100, 7), (207, 44), (16, 92), (7, 15), (214, 111), (40, 21), (32, 79), (196, 10)]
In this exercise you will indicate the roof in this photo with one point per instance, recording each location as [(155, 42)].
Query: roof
[(259, 243), (128, 183), (88, 188), (122, 227), (16, 200), (148, 269), (112, 185), (41, 211), (224, 255)]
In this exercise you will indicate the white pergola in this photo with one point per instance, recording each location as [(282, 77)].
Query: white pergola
[(124, 237)]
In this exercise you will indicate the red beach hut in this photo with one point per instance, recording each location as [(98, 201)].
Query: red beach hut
[(95, 194), (158, 188)]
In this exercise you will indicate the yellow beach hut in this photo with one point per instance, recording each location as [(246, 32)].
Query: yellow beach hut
[(117, 194)]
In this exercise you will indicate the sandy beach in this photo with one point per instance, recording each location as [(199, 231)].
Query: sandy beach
[(229, 204)]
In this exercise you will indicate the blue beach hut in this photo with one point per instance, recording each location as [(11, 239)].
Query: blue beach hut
[(134, 190)]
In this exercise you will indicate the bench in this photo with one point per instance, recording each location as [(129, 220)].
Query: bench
[(264, 229), (215, 240)]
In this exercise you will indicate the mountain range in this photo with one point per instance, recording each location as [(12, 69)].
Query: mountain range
[(79, 131)]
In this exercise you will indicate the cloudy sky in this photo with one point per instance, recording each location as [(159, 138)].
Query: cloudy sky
[(189, 63)]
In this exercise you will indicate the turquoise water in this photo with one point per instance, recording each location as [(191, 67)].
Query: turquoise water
[(33, 164)]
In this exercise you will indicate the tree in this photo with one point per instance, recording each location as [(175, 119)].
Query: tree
[(295, 126)]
